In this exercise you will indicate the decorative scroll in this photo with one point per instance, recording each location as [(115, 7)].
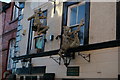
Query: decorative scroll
[(69, 42)]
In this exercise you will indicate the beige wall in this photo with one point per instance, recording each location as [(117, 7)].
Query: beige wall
[(54, 22), (104, 62), (102, 22), (27, 11)]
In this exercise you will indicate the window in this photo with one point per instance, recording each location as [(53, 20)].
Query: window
[(11, 54), (76, 13), (73, 13), (40, 40), (15, 11), (37, 41)]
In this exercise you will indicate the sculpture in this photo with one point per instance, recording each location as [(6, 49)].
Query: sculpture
[(36, 16), (68, 41)]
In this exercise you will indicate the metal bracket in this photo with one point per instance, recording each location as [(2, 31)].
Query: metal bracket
[(56, 59), (85, 56)]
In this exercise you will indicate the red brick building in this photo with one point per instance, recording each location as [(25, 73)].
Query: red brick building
[(9, 14)]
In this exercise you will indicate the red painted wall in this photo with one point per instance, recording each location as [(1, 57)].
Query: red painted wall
[(9, 32)]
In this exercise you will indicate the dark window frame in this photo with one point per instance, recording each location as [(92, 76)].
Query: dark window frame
[(87, 19), (118, 20), (14, 15)]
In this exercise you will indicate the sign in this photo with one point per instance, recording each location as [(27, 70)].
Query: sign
[(73, 71)]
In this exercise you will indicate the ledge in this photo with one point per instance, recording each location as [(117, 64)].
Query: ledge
[(102, 45), (13, 21)]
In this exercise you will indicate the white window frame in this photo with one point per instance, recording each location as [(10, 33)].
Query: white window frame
[(33, 35), (69, 16), (69, 13), (10, 54), (15, 11)]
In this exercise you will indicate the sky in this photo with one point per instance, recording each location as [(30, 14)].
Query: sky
[(7, 1)]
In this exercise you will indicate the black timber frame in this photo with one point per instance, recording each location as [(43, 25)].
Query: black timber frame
[(96, 46), (118, 20)]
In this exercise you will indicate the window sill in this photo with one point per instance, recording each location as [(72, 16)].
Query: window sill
[(14, 20), (73, 26)]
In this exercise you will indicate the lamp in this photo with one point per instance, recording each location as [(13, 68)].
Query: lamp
[(67, 58), (24, 62)]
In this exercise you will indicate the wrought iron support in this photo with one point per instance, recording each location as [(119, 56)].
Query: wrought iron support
[(56, 59), (85, 56)]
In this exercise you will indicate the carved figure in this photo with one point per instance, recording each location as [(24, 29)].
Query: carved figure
[(36, 16), (68, 41)]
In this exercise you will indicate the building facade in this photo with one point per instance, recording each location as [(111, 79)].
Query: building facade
[(95, 57), (8, 28)]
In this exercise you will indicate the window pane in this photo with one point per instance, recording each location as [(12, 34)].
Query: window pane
[(11, 54), (45, 20), (40, 43), (22, 5), (81, 35), (73, 16), (15, 11), (81, 13)]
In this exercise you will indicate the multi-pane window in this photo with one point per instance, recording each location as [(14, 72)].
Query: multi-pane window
[(38, 40), (75, 14), (15, 11), (11, 54)]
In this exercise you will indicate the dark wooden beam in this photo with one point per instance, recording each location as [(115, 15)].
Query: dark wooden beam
[(96, 46), (43, 54), (102, 45)]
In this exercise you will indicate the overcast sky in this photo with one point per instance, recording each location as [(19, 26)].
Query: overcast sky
[(7, 1)]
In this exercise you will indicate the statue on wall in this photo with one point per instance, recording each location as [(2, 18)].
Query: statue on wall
[(68, 41), (37, 24)]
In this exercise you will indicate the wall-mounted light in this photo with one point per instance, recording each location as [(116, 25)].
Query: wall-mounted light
[(24, 63), (51, 37)]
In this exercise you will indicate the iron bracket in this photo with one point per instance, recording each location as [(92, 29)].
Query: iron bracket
[(85, 56), (56, 59)]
